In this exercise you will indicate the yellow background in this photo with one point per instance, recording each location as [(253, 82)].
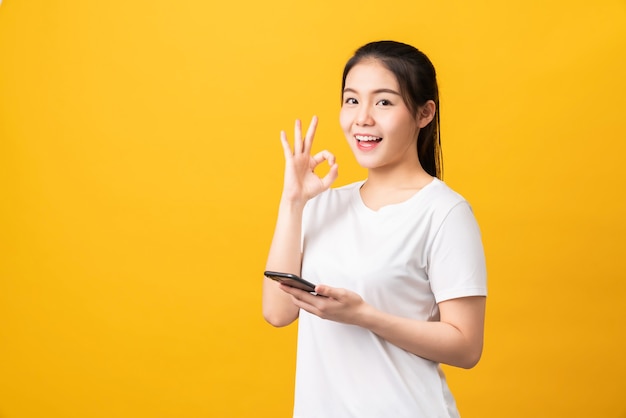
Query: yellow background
[(140, 171)]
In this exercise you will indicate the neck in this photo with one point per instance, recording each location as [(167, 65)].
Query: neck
[(413, 178), (386, 188)]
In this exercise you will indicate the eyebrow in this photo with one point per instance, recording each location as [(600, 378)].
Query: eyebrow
[(349, 90)]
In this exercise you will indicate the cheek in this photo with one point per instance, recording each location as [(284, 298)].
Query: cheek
[(405, 127), (345, 121)]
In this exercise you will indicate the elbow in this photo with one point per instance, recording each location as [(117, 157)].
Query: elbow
[(469, 363), (464, 355), (275, 320), (470, 358)]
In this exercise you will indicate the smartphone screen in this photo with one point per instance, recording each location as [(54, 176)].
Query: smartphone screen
[(290, 280)]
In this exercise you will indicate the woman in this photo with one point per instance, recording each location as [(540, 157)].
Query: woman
[(398, 256)]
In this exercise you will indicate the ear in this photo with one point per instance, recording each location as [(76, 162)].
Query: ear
[(426, 113)]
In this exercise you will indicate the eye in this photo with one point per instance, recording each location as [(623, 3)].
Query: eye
[(350, 100), (384, 102)]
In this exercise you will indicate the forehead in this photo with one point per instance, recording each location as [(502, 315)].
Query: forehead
[(370, 74)]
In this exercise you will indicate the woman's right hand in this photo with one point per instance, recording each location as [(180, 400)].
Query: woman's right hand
[(301, 183)]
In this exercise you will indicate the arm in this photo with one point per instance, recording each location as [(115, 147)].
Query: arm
[(300, 185), (284, 256), (456, 339)]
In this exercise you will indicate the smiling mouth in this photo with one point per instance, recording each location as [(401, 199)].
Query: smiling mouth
[(368, 138)]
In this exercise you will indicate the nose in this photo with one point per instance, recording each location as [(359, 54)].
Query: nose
[(364, 116)]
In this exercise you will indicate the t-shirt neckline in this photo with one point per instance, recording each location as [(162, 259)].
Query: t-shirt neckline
[(362, 207)]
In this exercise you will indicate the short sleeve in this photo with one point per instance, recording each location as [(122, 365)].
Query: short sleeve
[(456, 262)]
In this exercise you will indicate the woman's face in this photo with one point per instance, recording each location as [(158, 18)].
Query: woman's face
[(379, 127)]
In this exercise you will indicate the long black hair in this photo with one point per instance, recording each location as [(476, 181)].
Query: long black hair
[(418, 83)]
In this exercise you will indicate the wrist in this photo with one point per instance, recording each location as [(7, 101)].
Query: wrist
[(291, 204), (366, 316)]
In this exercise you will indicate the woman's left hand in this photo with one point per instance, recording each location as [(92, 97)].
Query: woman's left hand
[(332, 303), (456, 339)]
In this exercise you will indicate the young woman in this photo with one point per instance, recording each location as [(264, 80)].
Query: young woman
[(397, 258)]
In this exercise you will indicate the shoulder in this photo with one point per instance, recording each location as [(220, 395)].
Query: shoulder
[(443, 205), (442, 198)]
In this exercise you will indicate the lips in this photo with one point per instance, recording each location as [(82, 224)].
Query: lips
[(367, 142)]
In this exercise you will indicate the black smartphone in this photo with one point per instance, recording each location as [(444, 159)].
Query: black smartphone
[(290, 280)]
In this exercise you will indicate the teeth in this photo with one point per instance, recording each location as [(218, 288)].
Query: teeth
[(366, 138)]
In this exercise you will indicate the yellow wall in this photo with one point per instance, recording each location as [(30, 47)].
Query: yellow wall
[(140, 170)]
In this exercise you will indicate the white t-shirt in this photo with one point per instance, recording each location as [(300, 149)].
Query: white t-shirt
[(402, 259)]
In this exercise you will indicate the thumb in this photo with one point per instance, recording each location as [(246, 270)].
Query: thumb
[(327, 291)]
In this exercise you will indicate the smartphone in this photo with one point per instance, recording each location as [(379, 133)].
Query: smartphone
[(290, 280)]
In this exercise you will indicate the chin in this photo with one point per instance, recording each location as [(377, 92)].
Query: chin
[(366, 160), (367, 163)]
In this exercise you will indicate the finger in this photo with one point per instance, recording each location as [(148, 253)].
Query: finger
[(310, 134), (330, 292), (299, 297), (331, 176), (324, 290), (293, 291), (285, 144), (297, 135), (310, 308), (322, 156), (303, 299)]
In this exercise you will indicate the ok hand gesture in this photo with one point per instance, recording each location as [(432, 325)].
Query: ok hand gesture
[(301, 183)]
